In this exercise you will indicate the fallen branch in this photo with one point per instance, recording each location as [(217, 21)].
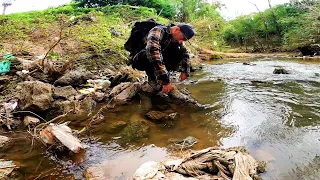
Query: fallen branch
[(47, 123)]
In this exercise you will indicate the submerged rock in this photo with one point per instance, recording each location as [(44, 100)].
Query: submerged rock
[(280, 71), (94, 173), (157, 116), (116, 126), (136, 130), (183, 144), (35, 96)]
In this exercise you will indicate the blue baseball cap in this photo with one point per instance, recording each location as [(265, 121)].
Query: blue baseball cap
[(187, 31)]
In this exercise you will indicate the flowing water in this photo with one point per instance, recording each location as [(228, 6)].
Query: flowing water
[(275, 116)]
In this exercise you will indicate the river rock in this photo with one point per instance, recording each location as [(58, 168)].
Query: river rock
[(63, 92), (145, 87), (98, 96), (135, 130), (32, 121), (87, 105), (116, 126), (157, 116), (186, 143), (122, 93), (35, 96), (4, 140), (179, 96), (280, 71), (94, 173), (118, 79), (74, 78)]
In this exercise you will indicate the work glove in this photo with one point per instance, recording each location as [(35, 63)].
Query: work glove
[(183, 76), (166, 88)]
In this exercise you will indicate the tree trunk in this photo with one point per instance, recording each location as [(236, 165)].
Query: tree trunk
[(5, 5)]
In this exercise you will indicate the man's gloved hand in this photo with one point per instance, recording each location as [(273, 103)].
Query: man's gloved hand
[(183, 76), (166, 88)]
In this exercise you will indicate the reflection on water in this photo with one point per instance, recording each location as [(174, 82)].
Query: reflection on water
[(276, 117)]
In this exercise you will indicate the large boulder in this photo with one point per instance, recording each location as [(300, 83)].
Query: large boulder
[(35, 96)]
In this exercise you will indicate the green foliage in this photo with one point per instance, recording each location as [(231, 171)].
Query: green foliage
[(166, 8), (307, 31), (288, 26), (101, 31), (127, 12), (190, 10), (208, 33)]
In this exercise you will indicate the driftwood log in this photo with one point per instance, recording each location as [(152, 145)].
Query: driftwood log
[(210, 163)]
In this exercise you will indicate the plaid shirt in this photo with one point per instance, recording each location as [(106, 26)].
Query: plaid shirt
[(157, 40)]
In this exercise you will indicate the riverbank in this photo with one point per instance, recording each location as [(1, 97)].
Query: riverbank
[(208, 55)]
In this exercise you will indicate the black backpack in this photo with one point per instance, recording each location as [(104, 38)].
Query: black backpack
[(140, 30)]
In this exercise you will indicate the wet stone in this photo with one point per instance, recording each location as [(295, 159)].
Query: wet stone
[(4, 140), (280, 71), (117, 126), (157, 116), (136, 130), (98, 119), (94, 172), (186, 143), (98, 96), (32, 121)]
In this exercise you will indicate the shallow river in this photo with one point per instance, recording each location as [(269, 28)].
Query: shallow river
[(275, 116)]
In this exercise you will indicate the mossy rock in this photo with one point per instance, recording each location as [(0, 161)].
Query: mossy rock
[(136, 130)]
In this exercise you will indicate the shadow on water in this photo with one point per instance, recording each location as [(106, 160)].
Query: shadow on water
[(275, 116)]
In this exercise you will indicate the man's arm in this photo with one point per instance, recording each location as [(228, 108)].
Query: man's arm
[(153, 51), (185, 60)]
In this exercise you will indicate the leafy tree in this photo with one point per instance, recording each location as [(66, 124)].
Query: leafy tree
[(166, 8), (289, 26), (307, 31)]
